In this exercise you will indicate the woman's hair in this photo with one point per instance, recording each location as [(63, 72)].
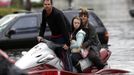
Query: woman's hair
[(74, 32), (72, 26)]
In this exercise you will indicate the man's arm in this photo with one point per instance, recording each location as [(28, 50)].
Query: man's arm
[(62, 22), (79, 39), (42, 25)]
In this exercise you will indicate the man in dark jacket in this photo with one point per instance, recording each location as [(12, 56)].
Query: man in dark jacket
[(93, 41), (59, 27)]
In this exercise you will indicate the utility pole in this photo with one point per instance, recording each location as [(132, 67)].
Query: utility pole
[(28, 5), (70, 3)]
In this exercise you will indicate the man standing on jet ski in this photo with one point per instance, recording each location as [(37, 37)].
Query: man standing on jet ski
[(59, 26)]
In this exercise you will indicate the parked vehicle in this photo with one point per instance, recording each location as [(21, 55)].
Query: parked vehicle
[(21, 29), (131, 12)]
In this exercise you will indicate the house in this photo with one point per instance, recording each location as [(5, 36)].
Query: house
[(4, 3)]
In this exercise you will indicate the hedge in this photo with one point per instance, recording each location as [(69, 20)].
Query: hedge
[(5, 11)]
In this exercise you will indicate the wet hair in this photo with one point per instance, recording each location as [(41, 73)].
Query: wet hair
[(50, 1), (72, 26), (73, 31), (83, 12)]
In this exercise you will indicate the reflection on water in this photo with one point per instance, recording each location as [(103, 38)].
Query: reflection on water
[(15, 53)]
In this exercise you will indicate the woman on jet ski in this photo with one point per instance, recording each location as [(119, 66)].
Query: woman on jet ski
[(78, 36), (82, 37)]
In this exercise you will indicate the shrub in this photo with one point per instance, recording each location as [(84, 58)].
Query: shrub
[(37, 5), (5, 11)]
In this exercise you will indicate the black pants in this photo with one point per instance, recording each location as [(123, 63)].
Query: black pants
[(75, 61), (61, 53), (65, 57), (75, 58), (95, 59)]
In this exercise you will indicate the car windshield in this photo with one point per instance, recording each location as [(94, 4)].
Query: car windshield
[(5, 20), (70, 14)]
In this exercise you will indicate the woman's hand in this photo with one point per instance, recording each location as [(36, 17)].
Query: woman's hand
[(73, 41), (65, 47)]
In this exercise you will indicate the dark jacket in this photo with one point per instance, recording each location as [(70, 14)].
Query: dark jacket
[(57, 23), (93, 40)]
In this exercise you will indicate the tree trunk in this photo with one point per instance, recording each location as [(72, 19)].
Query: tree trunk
[(28, 5)]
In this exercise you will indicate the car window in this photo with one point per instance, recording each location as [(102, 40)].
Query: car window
[(91, 19), (25, 26), (70, 15), (25, 22), (5, 20), (94, 20)]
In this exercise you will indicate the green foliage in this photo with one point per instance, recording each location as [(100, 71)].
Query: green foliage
[(5, 11), (37, 5), (17, 5)]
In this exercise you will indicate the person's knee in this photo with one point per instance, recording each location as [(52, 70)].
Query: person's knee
[(74, 59)]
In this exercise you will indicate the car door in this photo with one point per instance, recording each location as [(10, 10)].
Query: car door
[(25, 31)]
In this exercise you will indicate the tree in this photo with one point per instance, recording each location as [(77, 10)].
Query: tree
[(28, 5)]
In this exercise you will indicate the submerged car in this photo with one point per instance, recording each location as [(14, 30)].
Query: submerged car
[(20, 30)]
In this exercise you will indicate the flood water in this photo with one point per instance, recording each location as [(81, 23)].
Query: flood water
[(122, 45), (120, 25)]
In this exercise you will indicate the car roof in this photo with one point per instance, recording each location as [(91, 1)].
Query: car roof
[(69, 13), (23, 14), (93, 18)]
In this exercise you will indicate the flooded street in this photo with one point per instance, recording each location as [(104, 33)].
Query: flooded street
[(120, 25), (122, 45)]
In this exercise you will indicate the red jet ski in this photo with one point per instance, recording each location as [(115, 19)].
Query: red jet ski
[(41, 60)]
